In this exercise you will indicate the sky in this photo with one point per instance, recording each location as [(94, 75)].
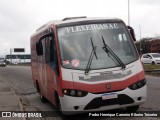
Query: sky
[(19, 19)]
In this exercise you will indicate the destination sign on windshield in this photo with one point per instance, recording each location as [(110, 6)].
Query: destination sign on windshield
[(90, 27)]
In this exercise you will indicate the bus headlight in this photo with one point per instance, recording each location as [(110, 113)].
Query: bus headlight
[(137, 85), (134, 86), (74, 93), (79, 93), (65, 91)]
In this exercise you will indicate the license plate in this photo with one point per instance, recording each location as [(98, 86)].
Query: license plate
[(109, 96)]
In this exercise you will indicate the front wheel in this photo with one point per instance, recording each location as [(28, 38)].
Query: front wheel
[(153, 63), (133, 108), (58, 104)]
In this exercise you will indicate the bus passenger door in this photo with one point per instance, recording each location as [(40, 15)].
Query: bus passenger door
[(42, 68), (51, 67)]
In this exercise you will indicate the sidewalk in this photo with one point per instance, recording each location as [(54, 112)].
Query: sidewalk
[(9, 101)]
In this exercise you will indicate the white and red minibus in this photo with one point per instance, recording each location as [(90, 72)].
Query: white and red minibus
[(87, 64)]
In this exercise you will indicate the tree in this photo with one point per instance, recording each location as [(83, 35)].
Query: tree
[(143, 45)]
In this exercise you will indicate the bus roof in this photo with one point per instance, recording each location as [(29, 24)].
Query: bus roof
[(73, 20)]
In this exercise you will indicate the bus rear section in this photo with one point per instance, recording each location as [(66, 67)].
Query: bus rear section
[(90, 64)]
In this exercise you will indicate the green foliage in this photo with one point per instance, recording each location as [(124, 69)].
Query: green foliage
[(153, 70)]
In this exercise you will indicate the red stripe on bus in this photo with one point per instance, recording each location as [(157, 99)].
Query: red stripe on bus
[(102, 87)]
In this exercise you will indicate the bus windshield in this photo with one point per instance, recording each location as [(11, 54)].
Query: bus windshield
[(76, 46)]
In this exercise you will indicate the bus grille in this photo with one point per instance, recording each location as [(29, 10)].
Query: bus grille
[(98, 102)]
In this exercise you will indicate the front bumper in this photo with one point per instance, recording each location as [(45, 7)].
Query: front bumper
[(93, 102)]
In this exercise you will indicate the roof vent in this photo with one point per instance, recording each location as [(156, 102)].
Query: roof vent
[(69, 18)]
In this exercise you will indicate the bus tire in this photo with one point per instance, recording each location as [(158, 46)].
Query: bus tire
[(133, 108), (58, 103), (37, 87)]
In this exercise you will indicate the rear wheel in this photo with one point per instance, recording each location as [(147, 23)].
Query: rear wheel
[(37, 86), (133, 108), (43, 99)]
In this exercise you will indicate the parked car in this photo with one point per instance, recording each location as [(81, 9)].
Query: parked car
[(151, 58), (2, 64)]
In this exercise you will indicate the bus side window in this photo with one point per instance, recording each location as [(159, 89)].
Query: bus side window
[(49, 50), (53, 56)]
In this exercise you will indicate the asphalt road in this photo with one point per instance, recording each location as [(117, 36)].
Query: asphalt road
[(20, 79)]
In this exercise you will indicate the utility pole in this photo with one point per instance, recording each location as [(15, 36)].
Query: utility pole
[(140, 40), (128, 13)]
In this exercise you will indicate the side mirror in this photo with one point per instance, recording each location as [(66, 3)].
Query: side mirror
[(131, 30), (39, 48)]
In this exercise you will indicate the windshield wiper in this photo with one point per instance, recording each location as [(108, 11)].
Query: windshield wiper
[(91, 57), (108, 50)]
